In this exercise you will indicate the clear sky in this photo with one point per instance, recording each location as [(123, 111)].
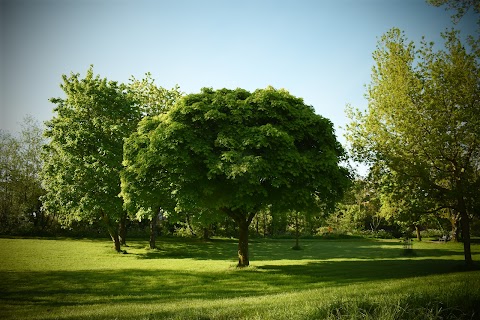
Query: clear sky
[(318, 50)]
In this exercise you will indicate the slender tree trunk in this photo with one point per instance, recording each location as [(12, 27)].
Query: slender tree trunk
[(112, 230), (116, 242), (243, 258), (153, 231), (264, 224), (190, 226), (417, 231), (465, 226), (297, 233), (122, 232), (455, 229), (206, 233)]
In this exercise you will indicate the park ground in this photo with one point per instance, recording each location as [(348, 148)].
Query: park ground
[(195, 279)]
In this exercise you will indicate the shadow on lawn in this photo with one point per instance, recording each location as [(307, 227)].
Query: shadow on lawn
[(266, 250), (73, 288)]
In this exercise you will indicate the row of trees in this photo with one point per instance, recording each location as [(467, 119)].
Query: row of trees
[(84, 154), (217, 153)]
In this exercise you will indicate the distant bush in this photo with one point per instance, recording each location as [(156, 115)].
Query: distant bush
[(433, 233)]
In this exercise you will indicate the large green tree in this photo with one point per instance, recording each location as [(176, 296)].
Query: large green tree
[(83, 157), (423, 120), (233, 152)]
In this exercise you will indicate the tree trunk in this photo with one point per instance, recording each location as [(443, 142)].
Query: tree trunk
[(190, 226), (297, 233), (243, 258), (153, 231), (206, 233), (417, 231), (465, 226), (243, 220), (122, 232), (264, 224), (112, 230), (455, 229), (116, 242)]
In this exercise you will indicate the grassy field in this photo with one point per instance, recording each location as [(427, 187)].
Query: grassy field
[(192, 279)]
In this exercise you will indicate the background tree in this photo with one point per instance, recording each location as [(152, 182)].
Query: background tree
[(404, 202), (145, 189), (20, 184), (233, 152), (83, 157), (423, 120), (460, 6), (144, 193)]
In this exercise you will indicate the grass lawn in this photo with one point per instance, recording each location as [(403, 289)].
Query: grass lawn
[(192, 279)]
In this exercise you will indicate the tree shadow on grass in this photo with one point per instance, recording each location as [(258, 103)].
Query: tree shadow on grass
[(347, 272), (266, 250), (217, 249), (86, 287), (47, 291)]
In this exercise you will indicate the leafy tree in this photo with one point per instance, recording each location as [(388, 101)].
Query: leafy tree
[(143, 192), (233, 152), (460, 6), (83, 157), (20, 185), (404, 202), (423, 120)]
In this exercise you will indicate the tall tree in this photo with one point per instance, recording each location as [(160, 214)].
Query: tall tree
[(233, 152), (144, 193), (83, 157), (423, 119)]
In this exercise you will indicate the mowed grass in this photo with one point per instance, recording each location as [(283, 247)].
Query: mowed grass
[(193, 279)]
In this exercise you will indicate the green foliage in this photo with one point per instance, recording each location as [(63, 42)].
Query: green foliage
[(152, 99), (460, 6), (144, 189), (254, 149), (83, 157), (423, 123), (191, 279), (20, 185), (235, 152)]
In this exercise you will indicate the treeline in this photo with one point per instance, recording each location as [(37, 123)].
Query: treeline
[(363, 211)]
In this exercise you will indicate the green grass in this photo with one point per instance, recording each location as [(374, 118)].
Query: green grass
[(192, 279)]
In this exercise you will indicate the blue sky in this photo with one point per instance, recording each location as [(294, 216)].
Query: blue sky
[(318, 50)]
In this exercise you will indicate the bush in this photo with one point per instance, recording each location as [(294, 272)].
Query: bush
[(433, 233)]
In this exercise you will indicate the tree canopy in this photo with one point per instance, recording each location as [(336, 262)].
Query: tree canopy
[(83, 157), (423, 119), (236, 152)]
